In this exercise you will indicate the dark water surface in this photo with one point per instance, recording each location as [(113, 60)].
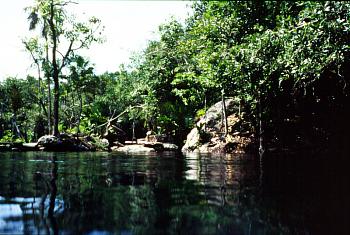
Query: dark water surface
[(101, 193)]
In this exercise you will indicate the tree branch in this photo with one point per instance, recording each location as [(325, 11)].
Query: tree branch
[(118, 116), (64, 58), (65, 3)]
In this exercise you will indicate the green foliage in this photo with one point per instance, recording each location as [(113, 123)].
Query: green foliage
[(200, 113), (290, 58), (9, 137)]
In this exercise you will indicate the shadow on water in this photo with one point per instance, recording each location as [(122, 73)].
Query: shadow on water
[(315, 187), (100, 193)]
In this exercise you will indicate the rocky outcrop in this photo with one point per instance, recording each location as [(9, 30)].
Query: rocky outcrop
[(208, 134)]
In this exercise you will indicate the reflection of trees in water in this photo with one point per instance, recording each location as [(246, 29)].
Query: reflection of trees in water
[(143, 209), (48, 182), (151, 196), (221, 176), (231, 202), (30, 191), (53, 194)]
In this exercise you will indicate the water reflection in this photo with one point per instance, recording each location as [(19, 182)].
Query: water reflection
[(96, 193)]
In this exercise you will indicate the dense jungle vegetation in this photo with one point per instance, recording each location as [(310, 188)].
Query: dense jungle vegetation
[(286, 62)]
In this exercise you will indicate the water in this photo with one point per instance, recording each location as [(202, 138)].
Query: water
[(101, 193)]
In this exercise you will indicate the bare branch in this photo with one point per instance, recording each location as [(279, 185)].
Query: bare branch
[(121, 114), (60, 53), (65, 3)]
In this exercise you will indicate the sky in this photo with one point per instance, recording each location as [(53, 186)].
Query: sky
[(128, 27)]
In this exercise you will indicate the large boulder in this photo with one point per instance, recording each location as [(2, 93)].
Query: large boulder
[(212, 118), (208, 134), (62, 143)]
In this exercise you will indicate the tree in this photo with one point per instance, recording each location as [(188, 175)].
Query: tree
[(59, 28), (80, 78)]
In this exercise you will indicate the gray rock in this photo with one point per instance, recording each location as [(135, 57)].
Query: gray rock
[(118, 144), (64, 142), (133, 149), (192, 141), (47, 140), (207, 136), (212, 118), (105, 142), (170, 147)]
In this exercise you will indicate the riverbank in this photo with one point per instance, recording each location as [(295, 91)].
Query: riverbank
[(68, 143)]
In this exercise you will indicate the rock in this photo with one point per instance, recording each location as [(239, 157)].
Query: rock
[(156, 146), (209, 123), (105, 142), (118, 144), (30, 146), (157, 138), (89, 143), (170, 147), (208, 137), (192, 141), (151, 138), (63, 142), (46, 140), (133, 149), (141, 141), (204, 148), (115, 148), (146, 147), (212, 118)]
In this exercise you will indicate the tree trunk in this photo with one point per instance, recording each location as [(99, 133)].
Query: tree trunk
[(224, 116), (55, 73), (49, 104), (48, 88), (15, 128), (261, 129), (133, 131), (205, 111), (80, 110), (56, 105)]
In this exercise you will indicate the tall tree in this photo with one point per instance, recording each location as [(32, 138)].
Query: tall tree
[(64, 36)]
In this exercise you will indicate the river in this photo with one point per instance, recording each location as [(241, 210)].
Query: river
[(106, 193)]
